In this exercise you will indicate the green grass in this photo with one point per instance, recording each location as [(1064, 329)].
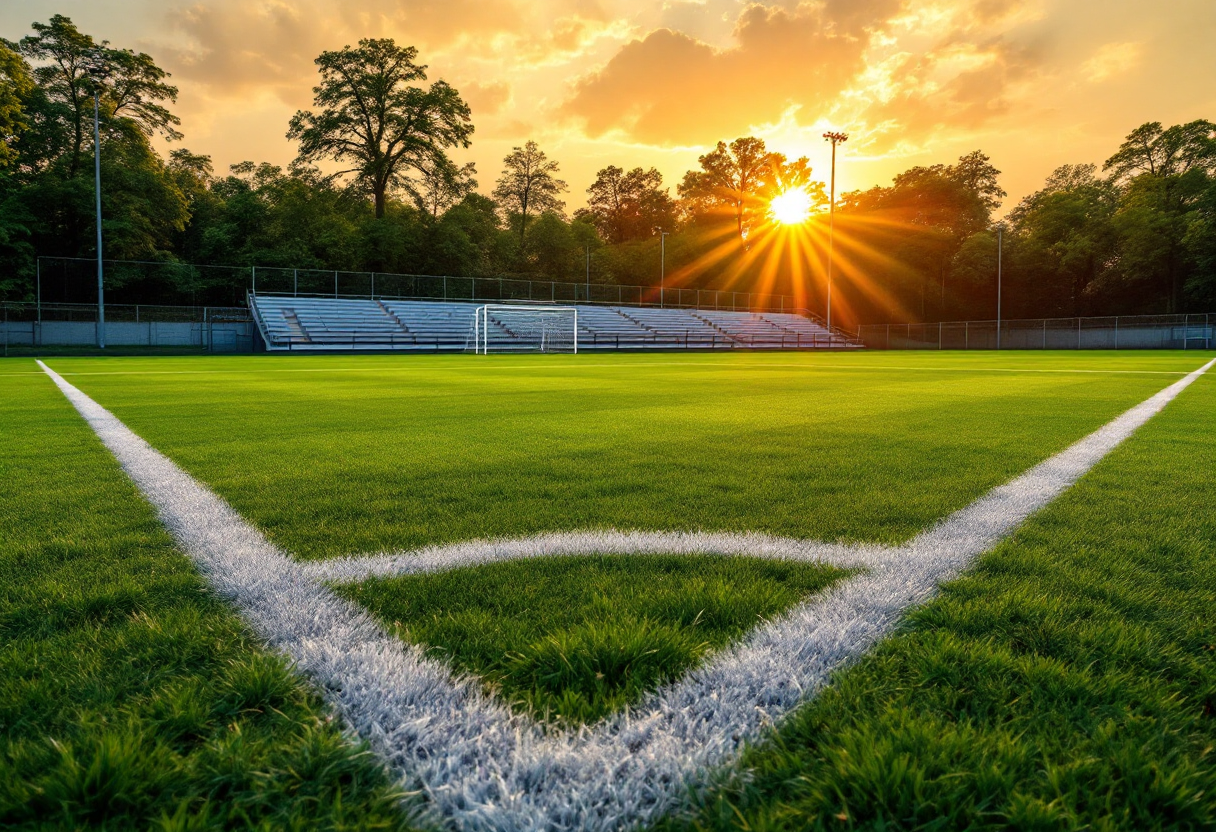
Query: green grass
[(1068, 682), (130, 698), (333, 454), (573, 639)]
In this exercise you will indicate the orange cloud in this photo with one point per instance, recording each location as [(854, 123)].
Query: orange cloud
[(670, 88), (486, 99), (235, 46)]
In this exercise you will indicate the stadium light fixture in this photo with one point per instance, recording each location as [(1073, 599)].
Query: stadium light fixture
[(663, 235), (97, 68), (835, 138)]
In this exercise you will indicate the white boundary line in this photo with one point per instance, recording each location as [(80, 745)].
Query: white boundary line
[(485, 767)]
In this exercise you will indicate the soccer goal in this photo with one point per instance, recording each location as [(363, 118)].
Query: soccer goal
[(506, 328)]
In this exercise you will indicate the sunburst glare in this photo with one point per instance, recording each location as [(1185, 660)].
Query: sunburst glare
[(791, 207)]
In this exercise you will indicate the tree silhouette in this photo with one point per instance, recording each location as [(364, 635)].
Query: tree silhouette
[(528, 185), (374, 117)]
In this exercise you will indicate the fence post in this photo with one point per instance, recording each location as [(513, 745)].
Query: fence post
[(1044, 333), (888, 336), (255, 279), (295, 283), (373, 285), (966, 335), (1116, 332), (137, 313), (939, 335), (335, 284), (1078, 333)]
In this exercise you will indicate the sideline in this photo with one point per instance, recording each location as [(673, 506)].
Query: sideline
[(484, 767)]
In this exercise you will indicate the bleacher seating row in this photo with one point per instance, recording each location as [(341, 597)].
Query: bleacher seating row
[(311, 323)]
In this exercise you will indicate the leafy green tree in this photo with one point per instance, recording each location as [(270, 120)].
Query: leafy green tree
[(1165, 174), (551, 249), (375, 117), (1066, 235), (131, 94), (731, 179), (16, 85), (528, 185), (443, 184), (628, 205)]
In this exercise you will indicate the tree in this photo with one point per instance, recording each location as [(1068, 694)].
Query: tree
[(442, 185), (626, 206), (1165, 174), (552, 249), (131, 94), (976, 173), (375, 118), (528, 185), (1156, 151), (730, 177), (15, 87), (1065, 233)]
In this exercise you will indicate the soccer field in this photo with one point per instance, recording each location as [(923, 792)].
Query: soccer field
[(656, 517)]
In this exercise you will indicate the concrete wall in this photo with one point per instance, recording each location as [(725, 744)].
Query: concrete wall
[(219, 337)]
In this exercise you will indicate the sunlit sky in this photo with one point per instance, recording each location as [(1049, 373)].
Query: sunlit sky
[(1035, 84)]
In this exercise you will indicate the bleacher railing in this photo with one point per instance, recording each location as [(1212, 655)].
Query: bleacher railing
[(1122, 332)]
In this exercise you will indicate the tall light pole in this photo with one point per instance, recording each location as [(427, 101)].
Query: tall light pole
[(1000, 244), (835, 138), (663, 235), (98, 71)]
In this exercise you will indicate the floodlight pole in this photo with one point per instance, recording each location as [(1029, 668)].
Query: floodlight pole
[(835, 138), (663, 235), (101, 298), (1000, 244)]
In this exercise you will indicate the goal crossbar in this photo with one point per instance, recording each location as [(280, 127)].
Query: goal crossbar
[(520, 328)]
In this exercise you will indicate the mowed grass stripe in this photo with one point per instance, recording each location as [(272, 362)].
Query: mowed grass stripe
[(434, 449), (1068, 682), (130, 698), (571, 640)]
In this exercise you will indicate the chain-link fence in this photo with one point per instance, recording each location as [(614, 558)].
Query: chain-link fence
[(382, 285), (1123, 332), (74, 280)]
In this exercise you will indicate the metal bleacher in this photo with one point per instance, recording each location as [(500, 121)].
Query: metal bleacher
[(338, 324)]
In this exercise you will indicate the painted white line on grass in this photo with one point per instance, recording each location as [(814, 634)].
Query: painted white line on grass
[(597, 542), (487, 768)]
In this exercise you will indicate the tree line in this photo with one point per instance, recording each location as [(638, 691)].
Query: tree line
[(374, 187)]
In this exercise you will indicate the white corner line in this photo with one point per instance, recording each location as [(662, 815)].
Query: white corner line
[(486, 768)]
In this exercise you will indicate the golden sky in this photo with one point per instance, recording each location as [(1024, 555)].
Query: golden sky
[(1034, 83)]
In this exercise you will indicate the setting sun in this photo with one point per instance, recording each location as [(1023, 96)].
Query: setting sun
[(791, 207)]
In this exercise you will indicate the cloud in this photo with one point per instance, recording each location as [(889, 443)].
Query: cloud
[(956, 86), (235, 46), (485, 99), (1111, 60), (670, 88)]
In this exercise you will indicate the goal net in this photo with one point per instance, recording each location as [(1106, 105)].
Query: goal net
[(505, 328)]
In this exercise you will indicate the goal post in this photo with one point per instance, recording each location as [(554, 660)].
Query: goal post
[(520, 328)]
